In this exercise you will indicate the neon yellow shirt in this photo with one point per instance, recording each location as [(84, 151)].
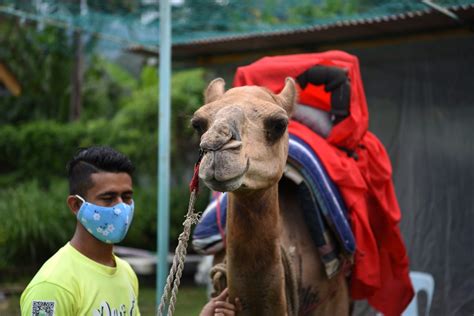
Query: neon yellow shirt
[(69, 283)]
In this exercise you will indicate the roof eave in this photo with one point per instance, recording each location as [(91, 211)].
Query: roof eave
[(416, 22)]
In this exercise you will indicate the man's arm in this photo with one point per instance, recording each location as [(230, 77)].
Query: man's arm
[(47, 299)]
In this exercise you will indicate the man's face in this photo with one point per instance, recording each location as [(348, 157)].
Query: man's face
[(110, 188)]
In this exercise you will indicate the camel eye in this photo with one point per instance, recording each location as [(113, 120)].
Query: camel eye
[(199, 124), (275, 127)]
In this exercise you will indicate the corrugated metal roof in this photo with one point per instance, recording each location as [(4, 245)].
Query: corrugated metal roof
[(413, 22)]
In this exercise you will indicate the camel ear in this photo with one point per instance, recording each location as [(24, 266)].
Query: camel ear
[(214, 90), (288, 95)]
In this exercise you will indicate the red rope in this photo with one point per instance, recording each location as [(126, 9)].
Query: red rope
[(194, 184)]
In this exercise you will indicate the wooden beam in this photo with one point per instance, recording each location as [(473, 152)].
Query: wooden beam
[(9, 81)]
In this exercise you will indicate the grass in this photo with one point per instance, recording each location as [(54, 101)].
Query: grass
[(190, 301)]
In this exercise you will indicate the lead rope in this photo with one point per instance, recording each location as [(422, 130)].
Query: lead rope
[(174, 277)]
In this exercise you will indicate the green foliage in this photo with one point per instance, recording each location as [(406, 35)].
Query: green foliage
[(119, 110), (179, 200), (39, 149), (35, 222), (307, 12), (35, 153), (200, 18), (190, 300), (105, 86), (186, 98), (142, 233), (43, 72), (134, 127)]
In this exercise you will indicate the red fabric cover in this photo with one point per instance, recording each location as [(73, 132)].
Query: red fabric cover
[(315, 96), (381, 271)]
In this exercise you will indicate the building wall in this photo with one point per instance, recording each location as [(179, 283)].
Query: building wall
[(421, 105)]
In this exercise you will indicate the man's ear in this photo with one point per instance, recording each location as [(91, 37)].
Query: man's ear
[(73, 203)]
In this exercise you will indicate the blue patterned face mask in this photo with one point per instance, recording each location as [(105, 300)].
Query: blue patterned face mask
[(108, 224)]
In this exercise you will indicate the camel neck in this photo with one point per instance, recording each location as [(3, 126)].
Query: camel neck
[(255, 272), (251, 208)]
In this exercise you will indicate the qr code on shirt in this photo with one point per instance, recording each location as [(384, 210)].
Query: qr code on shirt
[(43, 308)]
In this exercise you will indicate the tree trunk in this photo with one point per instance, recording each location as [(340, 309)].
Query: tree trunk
[(75, 107)]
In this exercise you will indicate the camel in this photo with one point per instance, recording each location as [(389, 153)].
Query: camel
[(272, 263)]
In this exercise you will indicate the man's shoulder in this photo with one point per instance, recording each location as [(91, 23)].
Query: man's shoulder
[(127, 269), (124, 265), (59, 269), (51, 298), (52, 284)]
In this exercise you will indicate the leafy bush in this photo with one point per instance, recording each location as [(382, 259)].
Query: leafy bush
[(38, 149), (106, 85), (42, 63), (35, 222), (142, 233), (34, 156)]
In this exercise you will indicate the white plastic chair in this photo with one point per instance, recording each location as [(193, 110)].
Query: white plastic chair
[(421, 282)]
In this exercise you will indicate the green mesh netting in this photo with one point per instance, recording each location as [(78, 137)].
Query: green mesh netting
[(127, 21)]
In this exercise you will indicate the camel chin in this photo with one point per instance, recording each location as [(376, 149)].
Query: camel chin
[(221, 178), (224, 170), (225, 186)]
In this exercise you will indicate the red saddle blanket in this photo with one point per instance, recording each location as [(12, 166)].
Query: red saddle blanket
[(381, 271)]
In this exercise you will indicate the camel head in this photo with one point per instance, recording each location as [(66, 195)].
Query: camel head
[(243, 135)]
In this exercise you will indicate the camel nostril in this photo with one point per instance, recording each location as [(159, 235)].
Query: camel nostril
[(215, 138), (235, 134), (205, 147), (211, 145)]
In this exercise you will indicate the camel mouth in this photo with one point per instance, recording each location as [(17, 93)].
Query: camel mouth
[(228, 185), (225, 186)]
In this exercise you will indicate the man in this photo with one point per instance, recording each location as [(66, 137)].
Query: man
[(85, 277)]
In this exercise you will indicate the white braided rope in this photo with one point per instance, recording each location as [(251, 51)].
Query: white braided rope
[(174, 277)]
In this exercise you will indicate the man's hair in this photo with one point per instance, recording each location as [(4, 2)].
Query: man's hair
[(93, 160)]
